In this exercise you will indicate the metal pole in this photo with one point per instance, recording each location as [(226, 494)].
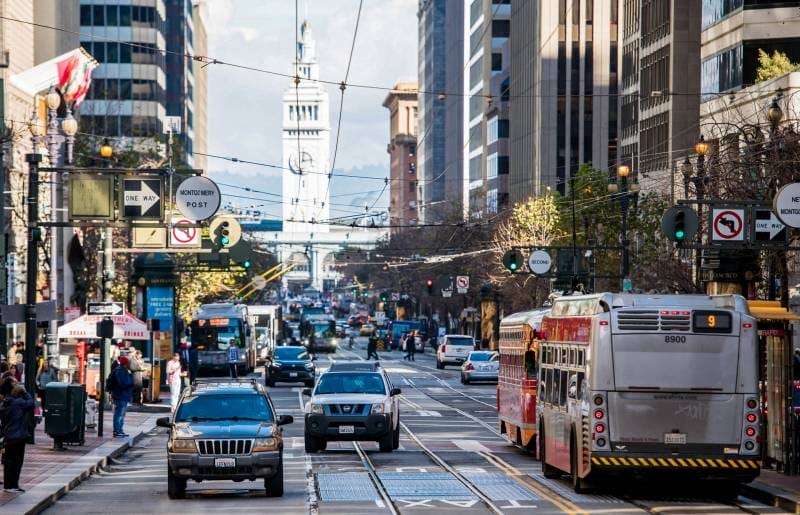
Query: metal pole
[(574, 236), (105, 358), (33, 161), (52, 150), (625, 242), (700, 189), (3, 242)]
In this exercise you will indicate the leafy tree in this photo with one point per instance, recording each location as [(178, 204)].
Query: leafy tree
[(775, 65)]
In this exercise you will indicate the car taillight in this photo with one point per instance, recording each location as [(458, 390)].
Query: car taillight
[(598, 414), (750, 431), (751, 417), (444, 347), (469, 367), (599, 428)]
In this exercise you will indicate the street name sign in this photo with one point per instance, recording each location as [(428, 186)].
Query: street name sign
[(767, 228), (183, 234), (198, 198), (91, 197), (787, 205), (727, 224), (142, 198), (105, 308), (462, 283), (540, 262)]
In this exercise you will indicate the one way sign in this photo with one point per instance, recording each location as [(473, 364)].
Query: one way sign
[(768, 229), (141, 198), (105, 308)]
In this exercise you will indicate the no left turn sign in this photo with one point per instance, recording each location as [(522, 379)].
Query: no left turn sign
[(727, 224), (183, 234)]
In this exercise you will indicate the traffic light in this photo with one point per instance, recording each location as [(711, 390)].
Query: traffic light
[(429, 285), (241, 253), (365, 294), (679, 226), (384, 296), (679, 223), (224, 233), (513, 260)]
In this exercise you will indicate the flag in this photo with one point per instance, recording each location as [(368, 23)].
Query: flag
[(75, 75)]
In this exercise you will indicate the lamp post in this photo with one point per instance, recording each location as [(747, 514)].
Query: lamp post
[(700, 180), (623, 171), (774, 115), (106, 152), (34, 235)]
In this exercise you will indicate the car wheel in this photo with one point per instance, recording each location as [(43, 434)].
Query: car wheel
[(579, 484), (312, 443), (464, 380), (385, 443), (176, 486), (309, 384), (274, 485), (270, 383), (396, 437), (439, 365)]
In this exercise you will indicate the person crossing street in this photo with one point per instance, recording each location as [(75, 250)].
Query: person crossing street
[(233, 360)]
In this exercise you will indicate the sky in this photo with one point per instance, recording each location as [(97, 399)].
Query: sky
[(245, 106)]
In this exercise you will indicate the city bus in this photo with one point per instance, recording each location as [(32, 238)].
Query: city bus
[(214, 328), (665, 385), (517, 378)]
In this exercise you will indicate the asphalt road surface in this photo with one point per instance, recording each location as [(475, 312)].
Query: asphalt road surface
[(451, 460)]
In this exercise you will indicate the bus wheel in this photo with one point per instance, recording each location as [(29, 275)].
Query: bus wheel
[(580, 485), (548, 471)]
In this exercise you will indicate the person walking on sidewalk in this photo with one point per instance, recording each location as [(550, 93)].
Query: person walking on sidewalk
[(136, 368), (233, 360), (174, 374), (14, 415), (47, 374), (121, 394)]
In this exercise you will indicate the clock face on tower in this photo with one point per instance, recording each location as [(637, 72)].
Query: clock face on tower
[(303, 164)]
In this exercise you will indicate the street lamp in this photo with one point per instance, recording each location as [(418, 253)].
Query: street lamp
[(106, 150), (700, 181), (622, 172), (774, 113)]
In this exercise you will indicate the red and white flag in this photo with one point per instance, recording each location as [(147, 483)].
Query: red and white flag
[(75, 75)]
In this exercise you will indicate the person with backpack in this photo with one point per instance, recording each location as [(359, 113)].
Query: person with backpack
[(120, 385)]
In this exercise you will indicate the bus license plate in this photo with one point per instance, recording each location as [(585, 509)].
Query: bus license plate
[(224, 463), (347, 429), (292, 374), (675, 438)]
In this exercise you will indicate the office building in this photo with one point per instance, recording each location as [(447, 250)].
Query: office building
[(402, 148), (564, 91), (441, 115), (660, 86), (200, 75)]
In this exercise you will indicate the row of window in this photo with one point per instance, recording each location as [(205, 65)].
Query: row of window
[(518, 366), (655, 20), (124, 53), (303, 133), (120, 16), (303, 112), (556, 386), (116, 126), (563, 356), (126, 89)]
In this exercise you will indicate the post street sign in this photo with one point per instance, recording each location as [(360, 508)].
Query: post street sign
[(105, 308), (142, 198), (767, 228), (91, 197), (787, 205), (198, 198)]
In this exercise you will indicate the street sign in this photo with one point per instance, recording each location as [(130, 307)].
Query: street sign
[(727, 224), (172, 124), (91, 197), (198, 198), (182, 235), (462, 283), (142, 198), (15, 313), (540, 262), (767, 228), (787, 204), (105, 308), (447, 293), (149, 237), (395, 297)]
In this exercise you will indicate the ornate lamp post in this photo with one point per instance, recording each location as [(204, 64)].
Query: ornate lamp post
[(623, 171)]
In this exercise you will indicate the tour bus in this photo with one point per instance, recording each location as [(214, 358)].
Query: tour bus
[(214, 328), (516, 383), (634, 384)]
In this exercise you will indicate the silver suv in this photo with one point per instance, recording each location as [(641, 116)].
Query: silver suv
[(350, 405), (225, 429)]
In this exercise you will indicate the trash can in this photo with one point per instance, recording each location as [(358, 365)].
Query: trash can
[(65, 413)]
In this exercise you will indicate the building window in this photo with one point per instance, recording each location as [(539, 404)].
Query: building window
[(99, 15), (722, 72), (716, 10), (491, 201), (502, 128), (112, 15), (501, 28), (86, 15), (475, 173), (497, 62), (502, 165), (475, 73), (291, 113), (411, 187), (476, 137), (491, 131), (491, 166)]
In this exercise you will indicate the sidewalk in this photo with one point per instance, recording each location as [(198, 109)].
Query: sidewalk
[(777, 490), (48, 474)]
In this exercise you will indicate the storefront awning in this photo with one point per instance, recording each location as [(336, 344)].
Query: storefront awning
[(770, 310), (126, 327)]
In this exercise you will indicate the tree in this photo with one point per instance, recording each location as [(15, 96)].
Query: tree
[(772, 66)]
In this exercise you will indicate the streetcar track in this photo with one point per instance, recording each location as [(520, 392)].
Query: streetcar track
[(376, 481), (660, 510)]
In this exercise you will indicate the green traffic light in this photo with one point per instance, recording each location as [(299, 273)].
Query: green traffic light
[(679, 235), (224, 240), (512, 266), (246, 263)]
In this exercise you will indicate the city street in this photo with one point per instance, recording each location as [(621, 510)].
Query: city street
[(450, 460)]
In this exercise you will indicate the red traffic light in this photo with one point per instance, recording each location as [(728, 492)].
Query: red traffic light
[(429, 282)]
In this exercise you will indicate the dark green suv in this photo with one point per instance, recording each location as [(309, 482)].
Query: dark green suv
[(225, 429)]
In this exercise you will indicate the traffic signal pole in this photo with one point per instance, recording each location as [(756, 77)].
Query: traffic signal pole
[(33, 161)]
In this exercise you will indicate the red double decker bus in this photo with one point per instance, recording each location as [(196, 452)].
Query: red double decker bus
[(516, 385)]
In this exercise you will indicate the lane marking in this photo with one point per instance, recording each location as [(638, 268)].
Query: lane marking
[(471, 445)]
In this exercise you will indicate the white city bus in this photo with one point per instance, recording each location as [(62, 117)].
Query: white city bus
[(649, 385)]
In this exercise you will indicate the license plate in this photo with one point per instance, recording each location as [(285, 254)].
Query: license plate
[(485, 368), (675, 438), (292, 374), (347, 429), (225, 463)]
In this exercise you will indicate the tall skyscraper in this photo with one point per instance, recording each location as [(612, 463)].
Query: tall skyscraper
[(306, 143), (441, 114), (200, 89), (402, 148), (128, 93)]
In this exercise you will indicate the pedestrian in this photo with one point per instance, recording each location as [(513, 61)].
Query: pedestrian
[(174, 374), (233, 360), (404, 343), (411, 347), (121, 394), (797, 364), (194, 362), (371, 349), (14, 415), (47, 374), (19, 366), (136, 368)]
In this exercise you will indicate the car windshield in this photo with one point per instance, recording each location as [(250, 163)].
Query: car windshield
[(224, 407), (356, 382), (298, 353), (482, 356), (460, 340)]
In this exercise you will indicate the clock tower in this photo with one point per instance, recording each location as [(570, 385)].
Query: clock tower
[(306, 143)]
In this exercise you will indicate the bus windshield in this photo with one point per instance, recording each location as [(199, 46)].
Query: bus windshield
[(216, 334), (324, 330)]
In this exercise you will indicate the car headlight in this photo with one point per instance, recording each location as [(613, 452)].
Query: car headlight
[(265, 444), (183, 445), (317, 408), (277, 364), (309, 366), (377, 408), (334, 343)]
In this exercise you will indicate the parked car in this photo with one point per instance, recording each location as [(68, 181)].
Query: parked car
[(355, 405), (291, 365), (367, 330), (482, 365), (454, 349), (225, 429)]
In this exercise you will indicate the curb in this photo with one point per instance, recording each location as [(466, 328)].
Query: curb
[(45, 494), (772, 496)]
